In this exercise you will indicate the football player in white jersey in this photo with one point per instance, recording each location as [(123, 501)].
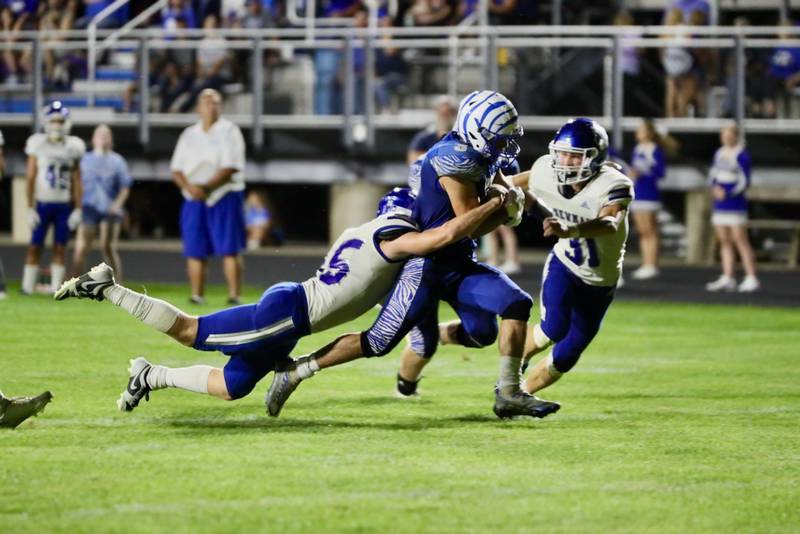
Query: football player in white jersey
[(589, 200), (54, 192), (357, 273)]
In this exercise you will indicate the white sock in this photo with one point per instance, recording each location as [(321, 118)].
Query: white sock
[(56, 276), (29, 275), (157, 313), (307, 366), (193, 378), (508, 381)]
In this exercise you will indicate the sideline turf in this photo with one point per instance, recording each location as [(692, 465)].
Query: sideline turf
[(679, 418)]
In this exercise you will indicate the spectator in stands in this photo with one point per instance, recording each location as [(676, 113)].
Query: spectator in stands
[(91, 8), (433, 12), (730, 178), (212, 63), (328, 61), (647, 168), (106, 185), (783, 74), (686, 7), (261, 227), (208, 165), (680, 67), (391, 69), (446, 109), (16, 16), (175, 10), (256, 16), (631, 67), (55, 18)]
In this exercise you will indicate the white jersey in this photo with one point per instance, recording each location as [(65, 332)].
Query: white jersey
[(355, 274), (597, 260), (200, 154), (54, 165)]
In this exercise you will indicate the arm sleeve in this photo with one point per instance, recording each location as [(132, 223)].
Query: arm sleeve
[(619, 192), (123, 174), (178, 158), (746, 164), (233, 150), (457, 166), (659, 163)]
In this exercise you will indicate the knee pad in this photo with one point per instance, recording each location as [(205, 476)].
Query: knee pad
[(478, 335), (540, 338), (519, 309)]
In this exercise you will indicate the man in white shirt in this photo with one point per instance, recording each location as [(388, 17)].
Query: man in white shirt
[(207, 166)]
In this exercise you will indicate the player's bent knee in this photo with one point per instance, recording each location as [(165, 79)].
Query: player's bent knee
[(373, 346), (540, 339), (520, 308), (477, 335)]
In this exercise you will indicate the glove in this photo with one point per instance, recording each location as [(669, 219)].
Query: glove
[(33, 218), (74, 219), (515, 206)]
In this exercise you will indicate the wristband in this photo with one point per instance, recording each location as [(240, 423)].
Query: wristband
[(573, 232)]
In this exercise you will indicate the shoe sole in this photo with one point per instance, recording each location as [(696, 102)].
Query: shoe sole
[(540, 414), (413, 396)]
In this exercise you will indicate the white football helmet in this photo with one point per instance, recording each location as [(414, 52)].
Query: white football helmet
[(489, 123)]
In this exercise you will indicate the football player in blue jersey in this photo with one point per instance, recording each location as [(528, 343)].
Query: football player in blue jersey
[(456, 174)]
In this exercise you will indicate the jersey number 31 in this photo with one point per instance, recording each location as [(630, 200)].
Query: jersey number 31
[(577, 252)]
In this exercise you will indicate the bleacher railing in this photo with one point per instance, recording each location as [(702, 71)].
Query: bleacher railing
[(443, 54)]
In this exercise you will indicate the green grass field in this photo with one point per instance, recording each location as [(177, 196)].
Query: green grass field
[(678, 418)]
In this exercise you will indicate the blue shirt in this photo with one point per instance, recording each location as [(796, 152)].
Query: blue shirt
[(450, 157), (650, 164), (103, 176), (784, 62)]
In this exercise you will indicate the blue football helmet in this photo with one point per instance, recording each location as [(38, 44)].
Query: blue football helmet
[(579, 137), (56, 121), (489, 123), (398, 200)]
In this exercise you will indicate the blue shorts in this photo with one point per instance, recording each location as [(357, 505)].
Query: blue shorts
[(477, 292), (572, 312), (216, 230), (92, 217), (57, 214), (256, 336)]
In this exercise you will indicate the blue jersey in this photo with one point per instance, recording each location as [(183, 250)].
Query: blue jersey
[(103, 176), (450, 157), (648, 160), (731, 171)]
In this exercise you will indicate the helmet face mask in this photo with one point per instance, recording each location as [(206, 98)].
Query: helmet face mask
[(489, 123), (578, 151)]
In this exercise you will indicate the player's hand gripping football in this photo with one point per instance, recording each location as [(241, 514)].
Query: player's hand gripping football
[(515, 206)]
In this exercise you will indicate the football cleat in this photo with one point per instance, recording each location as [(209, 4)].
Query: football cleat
[(406, 389), (137, 385), (283, 385), (15, 410), (88, 286), (521, 403)]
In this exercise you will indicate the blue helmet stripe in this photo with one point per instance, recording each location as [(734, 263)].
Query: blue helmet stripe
[(491, 107), (513, 118), (510, 121)]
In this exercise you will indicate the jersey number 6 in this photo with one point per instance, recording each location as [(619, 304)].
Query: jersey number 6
[(337, 267), (577, 252)]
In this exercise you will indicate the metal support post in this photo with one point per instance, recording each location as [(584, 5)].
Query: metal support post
[(349, 91), (257, 131), (144, 91), (618, 95), (741, 72), (38, 86), (369, 89)]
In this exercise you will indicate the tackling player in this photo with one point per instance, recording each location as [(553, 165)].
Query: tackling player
[(358, 271), (54, 192), (589, 198)]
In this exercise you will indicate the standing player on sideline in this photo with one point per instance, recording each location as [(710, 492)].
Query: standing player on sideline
[(455, 175), (208, 165), (106, 184), (54, 192), (589, 198), (358, 271)]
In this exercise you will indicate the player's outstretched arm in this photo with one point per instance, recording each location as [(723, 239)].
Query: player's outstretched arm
[(606, 223), (423, 243)]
